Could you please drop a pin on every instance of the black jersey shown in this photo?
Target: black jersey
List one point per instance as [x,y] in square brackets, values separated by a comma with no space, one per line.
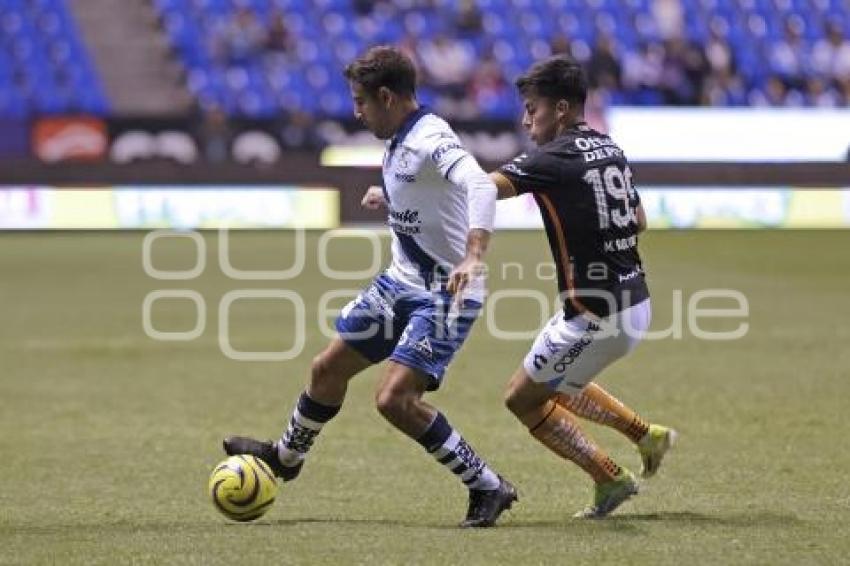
[583,186]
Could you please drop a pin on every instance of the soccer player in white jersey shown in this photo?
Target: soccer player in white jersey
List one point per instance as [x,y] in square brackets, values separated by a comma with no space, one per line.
[417,313]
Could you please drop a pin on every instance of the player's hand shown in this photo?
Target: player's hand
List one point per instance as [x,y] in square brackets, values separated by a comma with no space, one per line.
[374,198]
[460,277]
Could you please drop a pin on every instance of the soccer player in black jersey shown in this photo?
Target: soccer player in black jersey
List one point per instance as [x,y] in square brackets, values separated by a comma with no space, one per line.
[582,183]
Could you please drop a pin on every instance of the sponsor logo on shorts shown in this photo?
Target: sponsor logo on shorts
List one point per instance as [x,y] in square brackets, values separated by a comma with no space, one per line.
[423,346]
[540,361]
[576,349]
[550,345]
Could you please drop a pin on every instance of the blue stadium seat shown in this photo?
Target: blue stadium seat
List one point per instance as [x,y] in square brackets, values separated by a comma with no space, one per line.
[45,52]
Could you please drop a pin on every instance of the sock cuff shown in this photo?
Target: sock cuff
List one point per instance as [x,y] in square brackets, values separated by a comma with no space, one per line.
[436,434]
[316,411]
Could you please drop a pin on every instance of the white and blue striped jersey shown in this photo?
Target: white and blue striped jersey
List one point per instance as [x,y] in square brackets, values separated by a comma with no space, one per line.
[428,214]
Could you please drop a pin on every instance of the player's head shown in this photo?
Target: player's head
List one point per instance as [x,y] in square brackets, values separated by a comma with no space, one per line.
[383,88]
[554,91]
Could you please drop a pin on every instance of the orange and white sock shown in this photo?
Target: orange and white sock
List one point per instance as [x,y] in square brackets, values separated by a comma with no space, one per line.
[557,429]
[597,405]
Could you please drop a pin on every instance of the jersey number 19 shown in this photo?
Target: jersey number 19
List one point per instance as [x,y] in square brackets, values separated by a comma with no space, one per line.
[614,195]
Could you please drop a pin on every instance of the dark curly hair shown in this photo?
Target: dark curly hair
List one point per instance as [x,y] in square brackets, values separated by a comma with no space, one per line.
[559,77]
[383,66]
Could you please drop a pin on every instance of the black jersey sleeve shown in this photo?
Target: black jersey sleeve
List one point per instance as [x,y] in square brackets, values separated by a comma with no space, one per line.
[533,172]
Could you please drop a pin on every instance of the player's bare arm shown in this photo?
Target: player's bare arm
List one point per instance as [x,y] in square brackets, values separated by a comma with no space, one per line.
[481,195]
[504,186]
[472,265]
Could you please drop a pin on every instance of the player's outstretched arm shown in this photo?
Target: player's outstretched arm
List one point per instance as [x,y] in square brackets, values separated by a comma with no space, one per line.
[504,186]
[481,193]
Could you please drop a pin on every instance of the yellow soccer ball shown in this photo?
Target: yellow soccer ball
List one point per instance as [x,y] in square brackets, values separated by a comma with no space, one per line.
[243,488]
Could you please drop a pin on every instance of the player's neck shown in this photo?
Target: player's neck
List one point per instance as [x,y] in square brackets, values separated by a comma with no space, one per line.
[568,125]
[405,109]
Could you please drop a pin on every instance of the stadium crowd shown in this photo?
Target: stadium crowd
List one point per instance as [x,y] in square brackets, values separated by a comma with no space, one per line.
[739,62]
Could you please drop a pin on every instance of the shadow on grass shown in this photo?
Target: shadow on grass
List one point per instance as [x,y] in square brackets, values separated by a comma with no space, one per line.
[625,523]
[377,522]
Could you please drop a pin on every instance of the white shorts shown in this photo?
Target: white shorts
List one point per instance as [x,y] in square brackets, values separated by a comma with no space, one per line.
[568,354]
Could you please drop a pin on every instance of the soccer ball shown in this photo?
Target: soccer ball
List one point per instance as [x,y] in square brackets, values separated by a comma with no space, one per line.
[242,487]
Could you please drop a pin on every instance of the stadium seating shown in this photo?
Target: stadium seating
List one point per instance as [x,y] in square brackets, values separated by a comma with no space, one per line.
[44,65]
[329,33]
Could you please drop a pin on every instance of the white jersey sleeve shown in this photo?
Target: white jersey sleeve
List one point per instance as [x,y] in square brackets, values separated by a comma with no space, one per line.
[444,148]
[461,169]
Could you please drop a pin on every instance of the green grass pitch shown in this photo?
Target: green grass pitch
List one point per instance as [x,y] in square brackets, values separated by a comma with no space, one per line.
[108,436]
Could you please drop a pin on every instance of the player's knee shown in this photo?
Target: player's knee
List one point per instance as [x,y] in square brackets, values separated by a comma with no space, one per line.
[526,404]
[392,402]
[513,402]
[321,371]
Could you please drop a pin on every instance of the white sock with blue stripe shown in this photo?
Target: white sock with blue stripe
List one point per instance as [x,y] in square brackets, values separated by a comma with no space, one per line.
[450,449]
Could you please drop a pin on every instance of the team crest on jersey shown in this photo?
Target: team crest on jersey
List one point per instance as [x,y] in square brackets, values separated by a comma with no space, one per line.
[404,158]
[403,173]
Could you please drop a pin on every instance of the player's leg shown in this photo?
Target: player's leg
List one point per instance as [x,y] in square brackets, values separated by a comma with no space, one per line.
[598,405]
[399,400]
[436,330]
[565,356]
[556,428]
[366,336]
[319,403]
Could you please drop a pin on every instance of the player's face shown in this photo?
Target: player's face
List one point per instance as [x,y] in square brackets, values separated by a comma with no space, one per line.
[539,118]
[369,109]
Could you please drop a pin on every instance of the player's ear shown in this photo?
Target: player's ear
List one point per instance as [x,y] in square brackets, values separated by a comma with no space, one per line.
[385,97]
[562,108]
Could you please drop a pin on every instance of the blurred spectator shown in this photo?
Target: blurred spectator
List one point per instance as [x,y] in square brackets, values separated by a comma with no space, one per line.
[447,64]
[718,53]
[242,39]
[724,88]
[561,45]
[669,18]
[697,68]
[603,68]
[363,8]
[468,18]
[819,93]
[643,68]
[215,135]
[278,39]
[788,57]
[844,90]
[488,87]
[776,93]
[831,55]
[300,131]
[409,43]
[674,84]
